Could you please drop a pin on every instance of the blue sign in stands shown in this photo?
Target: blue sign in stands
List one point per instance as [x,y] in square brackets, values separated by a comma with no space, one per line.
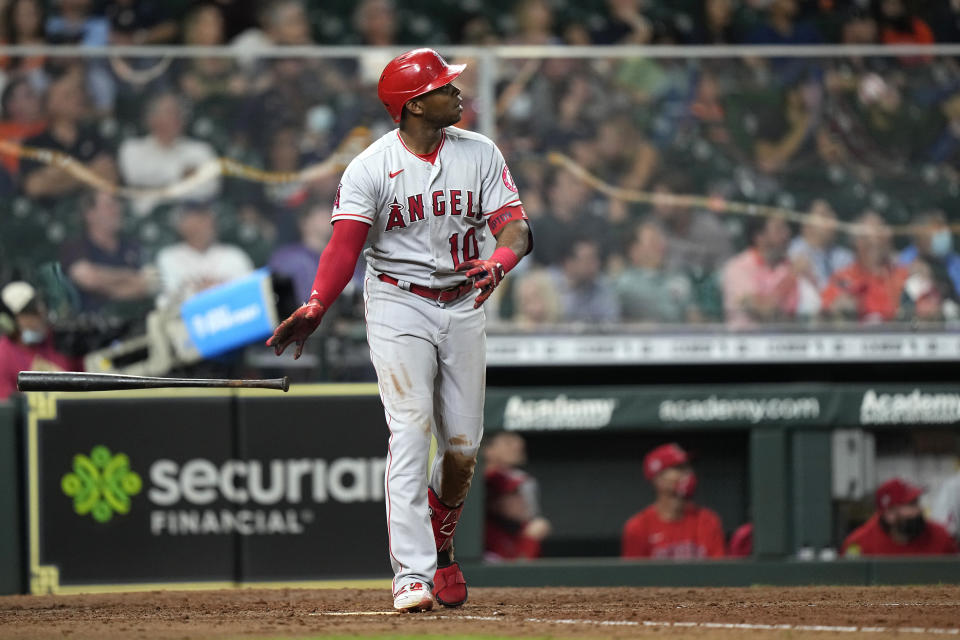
[231,315]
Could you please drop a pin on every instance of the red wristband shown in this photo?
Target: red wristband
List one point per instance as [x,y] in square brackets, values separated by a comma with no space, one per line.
[506,257]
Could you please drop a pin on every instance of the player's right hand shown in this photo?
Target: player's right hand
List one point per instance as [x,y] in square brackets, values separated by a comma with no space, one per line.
[298,327]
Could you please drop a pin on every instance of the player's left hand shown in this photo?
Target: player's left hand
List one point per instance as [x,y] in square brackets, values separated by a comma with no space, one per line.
[486,275]
[298,327]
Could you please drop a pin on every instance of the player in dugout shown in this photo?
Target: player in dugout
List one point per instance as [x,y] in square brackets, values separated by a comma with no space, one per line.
[898,526]
[673,527]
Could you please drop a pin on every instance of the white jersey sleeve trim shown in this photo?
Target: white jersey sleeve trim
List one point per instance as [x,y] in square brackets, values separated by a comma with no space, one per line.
[512,203]
[352,216]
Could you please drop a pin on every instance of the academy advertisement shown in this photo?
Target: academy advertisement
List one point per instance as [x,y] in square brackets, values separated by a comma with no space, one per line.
[207,489]
[786,406]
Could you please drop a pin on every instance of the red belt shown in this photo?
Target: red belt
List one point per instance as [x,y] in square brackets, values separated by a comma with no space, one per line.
[440,295]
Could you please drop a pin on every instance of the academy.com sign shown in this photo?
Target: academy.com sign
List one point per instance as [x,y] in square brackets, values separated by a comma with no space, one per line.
[752,410]
[909,408]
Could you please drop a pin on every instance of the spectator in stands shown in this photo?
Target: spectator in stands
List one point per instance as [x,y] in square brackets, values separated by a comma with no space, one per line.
[673,526]
[933,244]
[715,24]
[585,294]
[278,205]
[514,525]
[298,261]
[295,92]
[282,22]
[475,28]
[199,261]
[203,79]
[868,290]
[376,22]
[74,23]
[66,108]
[533,21]
[31,347]
[105,265]
[782,27]
[165,156]
[860,27]
[898,527]
[140,22]
[900,25]
[626,158]
[815,252]
[759,284]
[21,116]
[946,148]
[786,136]
[24,23]
[625,24]
[536,301]
[946,506]
[697,242]
[569,217]
[646,289]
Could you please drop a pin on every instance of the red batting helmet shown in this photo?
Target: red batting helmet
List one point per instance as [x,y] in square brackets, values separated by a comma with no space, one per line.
[413,74]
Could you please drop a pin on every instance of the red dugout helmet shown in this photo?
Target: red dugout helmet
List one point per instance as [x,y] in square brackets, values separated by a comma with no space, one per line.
[413,74]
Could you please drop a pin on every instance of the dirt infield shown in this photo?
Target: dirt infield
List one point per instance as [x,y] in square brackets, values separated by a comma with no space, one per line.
[752,613]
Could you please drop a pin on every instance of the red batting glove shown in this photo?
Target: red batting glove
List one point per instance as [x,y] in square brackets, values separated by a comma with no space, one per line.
[486,275]
[298,327]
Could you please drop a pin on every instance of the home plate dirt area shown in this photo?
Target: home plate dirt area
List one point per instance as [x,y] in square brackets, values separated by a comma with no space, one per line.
[751,613]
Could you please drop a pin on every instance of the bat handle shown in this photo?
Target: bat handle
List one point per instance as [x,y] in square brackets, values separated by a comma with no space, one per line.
[281,384]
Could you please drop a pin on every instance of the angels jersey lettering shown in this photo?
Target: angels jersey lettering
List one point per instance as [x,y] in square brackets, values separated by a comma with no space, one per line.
[426,218]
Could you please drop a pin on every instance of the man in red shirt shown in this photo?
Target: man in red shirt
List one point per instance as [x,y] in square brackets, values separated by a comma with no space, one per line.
[30,348]
[869,289]
[673,526]
[511,531]
[898,526]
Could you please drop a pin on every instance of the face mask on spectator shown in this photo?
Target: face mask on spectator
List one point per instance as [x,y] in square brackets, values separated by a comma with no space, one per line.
[911,527]
[941,243]
[31,336]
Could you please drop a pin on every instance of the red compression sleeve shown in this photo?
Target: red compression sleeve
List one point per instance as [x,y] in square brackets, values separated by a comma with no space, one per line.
[338,260]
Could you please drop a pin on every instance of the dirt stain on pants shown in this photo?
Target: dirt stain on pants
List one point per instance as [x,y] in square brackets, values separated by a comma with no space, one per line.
[457,475]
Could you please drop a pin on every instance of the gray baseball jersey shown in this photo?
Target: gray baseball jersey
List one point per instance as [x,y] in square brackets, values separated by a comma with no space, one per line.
[426,218]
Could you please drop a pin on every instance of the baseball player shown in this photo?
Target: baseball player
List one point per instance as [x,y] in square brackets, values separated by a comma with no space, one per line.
[673,526]
[423,197]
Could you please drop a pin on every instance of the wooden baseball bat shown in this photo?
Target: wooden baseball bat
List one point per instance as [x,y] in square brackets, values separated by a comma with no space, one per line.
[75,381]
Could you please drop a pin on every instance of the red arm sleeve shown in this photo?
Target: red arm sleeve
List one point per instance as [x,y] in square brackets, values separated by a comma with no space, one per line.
[338,260]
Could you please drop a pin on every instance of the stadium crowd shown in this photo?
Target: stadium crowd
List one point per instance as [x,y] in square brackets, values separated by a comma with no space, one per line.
[839,141]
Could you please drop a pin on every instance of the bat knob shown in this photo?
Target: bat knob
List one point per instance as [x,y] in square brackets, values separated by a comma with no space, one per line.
[285,384]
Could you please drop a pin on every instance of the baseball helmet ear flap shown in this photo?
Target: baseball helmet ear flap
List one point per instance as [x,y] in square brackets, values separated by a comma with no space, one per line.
[413,74]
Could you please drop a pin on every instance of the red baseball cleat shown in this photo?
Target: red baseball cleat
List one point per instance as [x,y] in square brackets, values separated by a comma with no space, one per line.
[449,586]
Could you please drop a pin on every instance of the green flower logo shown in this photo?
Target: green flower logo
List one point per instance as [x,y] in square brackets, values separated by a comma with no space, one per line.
[101,484]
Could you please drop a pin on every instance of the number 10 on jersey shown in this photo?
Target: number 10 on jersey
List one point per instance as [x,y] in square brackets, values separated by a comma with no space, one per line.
[470,251]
